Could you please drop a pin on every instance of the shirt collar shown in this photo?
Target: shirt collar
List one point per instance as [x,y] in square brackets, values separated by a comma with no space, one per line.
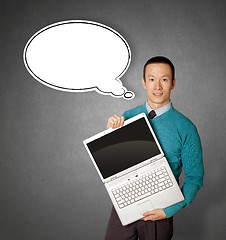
[159,111]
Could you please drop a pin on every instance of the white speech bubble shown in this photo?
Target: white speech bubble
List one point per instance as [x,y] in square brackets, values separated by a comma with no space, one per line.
[79,56]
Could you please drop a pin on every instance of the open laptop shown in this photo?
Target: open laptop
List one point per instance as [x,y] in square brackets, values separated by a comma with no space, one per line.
[132,166]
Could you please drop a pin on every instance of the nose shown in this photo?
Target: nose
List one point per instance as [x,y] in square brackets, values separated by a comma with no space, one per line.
[158,85]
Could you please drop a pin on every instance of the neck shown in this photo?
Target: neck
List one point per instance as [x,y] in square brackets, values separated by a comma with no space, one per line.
[155,106]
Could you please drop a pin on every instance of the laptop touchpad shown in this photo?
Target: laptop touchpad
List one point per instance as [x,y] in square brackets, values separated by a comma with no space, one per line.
[145,206]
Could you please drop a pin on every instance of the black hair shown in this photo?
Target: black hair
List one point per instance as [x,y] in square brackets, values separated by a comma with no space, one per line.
[160,59]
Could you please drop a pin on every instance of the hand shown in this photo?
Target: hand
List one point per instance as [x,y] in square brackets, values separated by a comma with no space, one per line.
[154,215]
[115,121]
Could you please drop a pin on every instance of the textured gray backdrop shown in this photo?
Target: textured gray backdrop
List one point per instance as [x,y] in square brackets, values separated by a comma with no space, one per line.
[49,189]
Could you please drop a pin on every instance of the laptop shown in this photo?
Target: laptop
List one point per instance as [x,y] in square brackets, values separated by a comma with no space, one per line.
[132,166]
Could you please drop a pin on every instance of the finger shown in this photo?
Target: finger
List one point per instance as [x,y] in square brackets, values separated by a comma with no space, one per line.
[117,121]
[151,215]
[110,123]
[150,218]
[122,121]
[151,212]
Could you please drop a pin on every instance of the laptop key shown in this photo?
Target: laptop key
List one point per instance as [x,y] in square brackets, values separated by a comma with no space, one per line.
[142,188]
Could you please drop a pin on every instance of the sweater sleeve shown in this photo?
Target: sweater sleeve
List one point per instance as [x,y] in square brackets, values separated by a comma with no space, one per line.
[133,112]
[191,157]
[125,115]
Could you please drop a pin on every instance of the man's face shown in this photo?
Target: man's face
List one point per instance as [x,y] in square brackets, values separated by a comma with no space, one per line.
[158,84]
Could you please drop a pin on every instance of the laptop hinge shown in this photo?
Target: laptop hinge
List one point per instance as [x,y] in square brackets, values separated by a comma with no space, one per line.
[115,177]
[156,159]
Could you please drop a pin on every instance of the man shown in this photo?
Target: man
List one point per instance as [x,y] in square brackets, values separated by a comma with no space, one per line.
[180,142]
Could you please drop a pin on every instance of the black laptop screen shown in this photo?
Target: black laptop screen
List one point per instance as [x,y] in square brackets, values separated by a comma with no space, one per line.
[123,148]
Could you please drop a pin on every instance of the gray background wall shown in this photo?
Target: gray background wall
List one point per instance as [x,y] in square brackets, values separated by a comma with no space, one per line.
[49,188]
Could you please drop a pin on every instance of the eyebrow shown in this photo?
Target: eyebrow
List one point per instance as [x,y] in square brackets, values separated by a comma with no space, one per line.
[161,76]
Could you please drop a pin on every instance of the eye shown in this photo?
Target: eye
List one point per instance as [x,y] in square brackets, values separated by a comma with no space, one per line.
[164,79]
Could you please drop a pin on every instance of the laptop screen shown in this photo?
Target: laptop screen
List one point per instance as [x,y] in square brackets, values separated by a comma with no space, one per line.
[123,148]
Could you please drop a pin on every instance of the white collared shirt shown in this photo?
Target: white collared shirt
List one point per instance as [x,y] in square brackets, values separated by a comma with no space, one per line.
[160,110]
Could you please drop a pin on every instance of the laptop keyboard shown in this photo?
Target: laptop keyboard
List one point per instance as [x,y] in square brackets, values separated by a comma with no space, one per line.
[144,186]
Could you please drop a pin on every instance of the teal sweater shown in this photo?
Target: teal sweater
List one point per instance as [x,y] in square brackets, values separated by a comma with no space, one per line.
[181,144]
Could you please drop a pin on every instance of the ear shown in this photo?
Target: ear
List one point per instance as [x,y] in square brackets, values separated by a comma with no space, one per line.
[144,83]
[174,83]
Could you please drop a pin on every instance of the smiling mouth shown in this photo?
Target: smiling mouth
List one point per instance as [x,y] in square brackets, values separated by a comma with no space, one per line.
[157,94]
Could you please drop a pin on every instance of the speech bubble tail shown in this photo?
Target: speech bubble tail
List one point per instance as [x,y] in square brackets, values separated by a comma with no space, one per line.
[128,95]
